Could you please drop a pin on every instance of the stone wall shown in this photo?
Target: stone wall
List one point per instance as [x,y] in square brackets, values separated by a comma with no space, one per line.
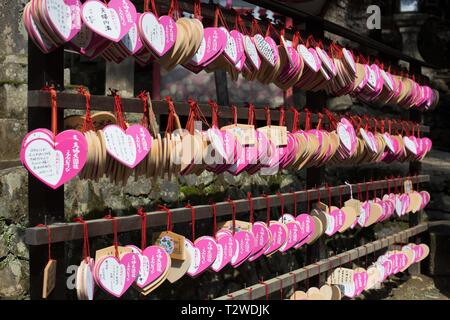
[14,270]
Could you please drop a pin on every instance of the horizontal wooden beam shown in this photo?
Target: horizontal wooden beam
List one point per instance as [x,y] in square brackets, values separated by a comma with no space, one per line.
[288,279]
[97,227]
[41,99]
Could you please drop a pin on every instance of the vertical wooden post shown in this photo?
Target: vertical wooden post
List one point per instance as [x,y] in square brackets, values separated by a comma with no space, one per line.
[220,77]
[223,99]
[44,203]
[415,168]
[315,101]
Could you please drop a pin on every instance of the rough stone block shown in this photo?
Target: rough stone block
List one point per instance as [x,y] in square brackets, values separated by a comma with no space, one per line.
[13,70]
[13,34]
[14,278]
[12,241]
[13,101]
[11,134]
[13,195]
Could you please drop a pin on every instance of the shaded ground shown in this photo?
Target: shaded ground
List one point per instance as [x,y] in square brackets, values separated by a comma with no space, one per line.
[407,287]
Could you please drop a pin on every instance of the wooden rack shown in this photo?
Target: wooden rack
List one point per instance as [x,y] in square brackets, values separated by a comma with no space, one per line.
[41,99]
[97,227]
[324,265]
[45,202]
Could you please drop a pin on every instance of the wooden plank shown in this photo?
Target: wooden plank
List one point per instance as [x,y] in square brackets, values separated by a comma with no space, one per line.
[73,231]
[286,280]
[44,203]
[39,99]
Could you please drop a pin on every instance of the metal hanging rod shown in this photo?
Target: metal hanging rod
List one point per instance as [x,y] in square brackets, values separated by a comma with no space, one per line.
[324,265]
[41,99]
[97,227]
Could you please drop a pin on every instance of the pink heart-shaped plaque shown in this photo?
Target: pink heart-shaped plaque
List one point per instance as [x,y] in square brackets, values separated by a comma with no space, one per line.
[129,146]
[418,253]
[112,21]
[154,262]
[244,247]
[294,232]
[425,198]
[251,52]
[39,37]
[239,40]
[360,280]
[63,16]
[262,239]
[338,219]
[159,35]
[267,48]
[213,44]
[279,236]
[132,42]
[115,275]
[226,247]
[54,162]
[203,253]
[230,52]
[403,261]
[401,204]
[306,228]
[364,214]
[395,261]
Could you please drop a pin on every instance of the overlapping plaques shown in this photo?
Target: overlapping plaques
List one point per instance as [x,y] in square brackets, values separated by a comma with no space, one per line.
[115,30]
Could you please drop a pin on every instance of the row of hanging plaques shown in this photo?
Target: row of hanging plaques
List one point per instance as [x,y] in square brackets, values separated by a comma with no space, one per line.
[115,30]
[105,144]
[117,268]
